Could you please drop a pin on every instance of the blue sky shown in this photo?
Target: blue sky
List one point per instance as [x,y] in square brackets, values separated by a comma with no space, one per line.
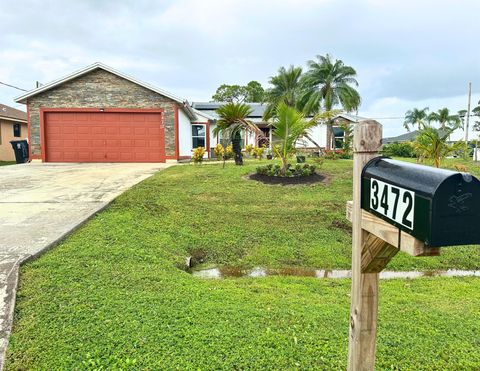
[407,53]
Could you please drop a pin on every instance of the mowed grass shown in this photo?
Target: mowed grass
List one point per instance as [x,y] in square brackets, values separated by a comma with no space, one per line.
[111,296]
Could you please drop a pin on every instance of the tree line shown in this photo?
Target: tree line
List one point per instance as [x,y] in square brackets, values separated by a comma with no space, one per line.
[420,118]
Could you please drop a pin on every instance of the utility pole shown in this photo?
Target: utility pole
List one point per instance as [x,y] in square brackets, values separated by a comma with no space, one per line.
[467,121]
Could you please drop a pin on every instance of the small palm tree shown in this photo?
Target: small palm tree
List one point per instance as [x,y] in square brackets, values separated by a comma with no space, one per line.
[286,88]
[232,122]
[432,143]
[445,119]
[289,126]
[416,117]
[329,83]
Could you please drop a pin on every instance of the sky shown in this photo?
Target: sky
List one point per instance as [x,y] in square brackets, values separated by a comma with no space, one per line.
[406,53]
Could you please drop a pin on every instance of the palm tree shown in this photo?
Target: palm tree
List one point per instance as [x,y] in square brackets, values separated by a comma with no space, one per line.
[445,119]
[432,143]
[286,88]
[416,117]
[232,121]
[289,126]
[332,83]
[476,110]
[461,114]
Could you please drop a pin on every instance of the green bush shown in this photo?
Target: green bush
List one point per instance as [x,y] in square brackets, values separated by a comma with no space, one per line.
[404,149]
[298,170]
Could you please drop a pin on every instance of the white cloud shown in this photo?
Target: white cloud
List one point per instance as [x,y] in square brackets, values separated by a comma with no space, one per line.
[407,53]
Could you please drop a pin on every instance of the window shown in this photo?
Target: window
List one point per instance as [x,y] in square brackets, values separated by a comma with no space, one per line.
[339,137]
[16,130]
[198,136]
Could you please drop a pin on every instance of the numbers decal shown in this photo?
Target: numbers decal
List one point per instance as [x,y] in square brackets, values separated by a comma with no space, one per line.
[393,202]
[396,192]
[384,201]
[374,194]
[407,197]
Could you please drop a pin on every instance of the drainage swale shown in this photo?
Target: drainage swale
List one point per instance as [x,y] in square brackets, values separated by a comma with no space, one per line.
[226,272]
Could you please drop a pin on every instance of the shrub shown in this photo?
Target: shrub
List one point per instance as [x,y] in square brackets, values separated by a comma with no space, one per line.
[249,149]
[198,154]
[258,152]
[331,155]
[229,152]
[299,170]
[219,151]
[404,149]
[318,161]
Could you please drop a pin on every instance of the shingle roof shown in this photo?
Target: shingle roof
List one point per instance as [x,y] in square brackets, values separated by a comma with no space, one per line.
[210,108]
[11,113]
[258,109]
[350,117]
[184,104]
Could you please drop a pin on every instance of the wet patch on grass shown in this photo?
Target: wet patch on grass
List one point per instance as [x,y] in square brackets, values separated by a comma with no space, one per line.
[236,272]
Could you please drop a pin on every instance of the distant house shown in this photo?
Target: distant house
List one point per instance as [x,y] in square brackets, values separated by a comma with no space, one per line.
[13,125]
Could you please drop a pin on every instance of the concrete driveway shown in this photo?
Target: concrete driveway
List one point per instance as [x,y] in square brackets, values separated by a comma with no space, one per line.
[42,203]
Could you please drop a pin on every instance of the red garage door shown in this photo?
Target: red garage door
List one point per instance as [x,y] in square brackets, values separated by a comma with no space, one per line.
[103,137]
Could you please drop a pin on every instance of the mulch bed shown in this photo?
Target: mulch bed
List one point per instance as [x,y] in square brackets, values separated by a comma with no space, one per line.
[300,180]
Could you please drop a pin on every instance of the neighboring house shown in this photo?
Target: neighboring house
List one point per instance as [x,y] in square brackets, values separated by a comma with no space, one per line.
[13,126]
[98,114]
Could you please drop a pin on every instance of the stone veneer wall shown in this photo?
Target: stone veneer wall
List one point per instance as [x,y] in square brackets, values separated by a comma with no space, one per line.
[97,89]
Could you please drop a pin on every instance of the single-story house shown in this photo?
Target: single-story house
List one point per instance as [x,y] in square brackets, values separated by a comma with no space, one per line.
[13,126]
[318,134]
[98,114]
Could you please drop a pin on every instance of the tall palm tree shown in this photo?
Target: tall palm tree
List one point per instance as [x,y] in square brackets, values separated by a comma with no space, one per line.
[445,119]
[286,88]
[329,83]
[476,110]
[415,117]
[232,122]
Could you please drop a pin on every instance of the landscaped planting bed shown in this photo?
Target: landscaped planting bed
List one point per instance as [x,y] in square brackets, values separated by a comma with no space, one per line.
[112,294]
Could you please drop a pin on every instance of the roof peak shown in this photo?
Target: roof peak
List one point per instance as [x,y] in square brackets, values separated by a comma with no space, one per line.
[12,113]
[90,68]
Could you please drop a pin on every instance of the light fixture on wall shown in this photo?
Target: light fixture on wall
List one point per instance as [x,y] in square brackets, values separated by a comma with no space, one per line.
[102,109]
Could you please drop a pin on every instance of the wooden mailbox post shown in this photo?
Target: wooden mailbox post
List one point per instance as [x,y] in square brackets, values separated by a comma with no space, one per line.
[418,209]
[374,243]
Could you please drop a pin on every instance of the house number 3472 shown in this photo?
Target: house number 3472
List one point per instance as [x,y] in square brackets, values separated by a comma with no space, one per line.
[394,202]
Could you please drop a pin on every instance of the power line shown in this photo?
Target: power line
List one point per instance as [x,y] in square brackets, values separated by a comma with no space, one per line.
[12,86]
[403,117]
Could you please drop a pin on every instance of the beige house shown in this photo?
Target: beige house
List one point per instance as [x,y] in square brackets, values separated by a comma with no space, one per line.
[13,126]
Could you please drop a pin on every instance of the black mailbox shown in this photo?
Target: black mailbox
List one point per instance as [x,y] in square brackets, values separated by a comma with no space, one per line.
[437,206]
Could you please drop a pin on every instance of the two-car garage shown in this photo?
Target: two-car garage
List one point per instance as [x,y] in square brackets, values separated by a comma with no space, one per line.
[98,114]
[108,136]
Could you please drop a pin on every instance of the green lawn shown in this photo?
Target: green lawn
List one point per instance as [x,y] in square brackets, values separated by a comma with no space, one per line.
[111,296]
